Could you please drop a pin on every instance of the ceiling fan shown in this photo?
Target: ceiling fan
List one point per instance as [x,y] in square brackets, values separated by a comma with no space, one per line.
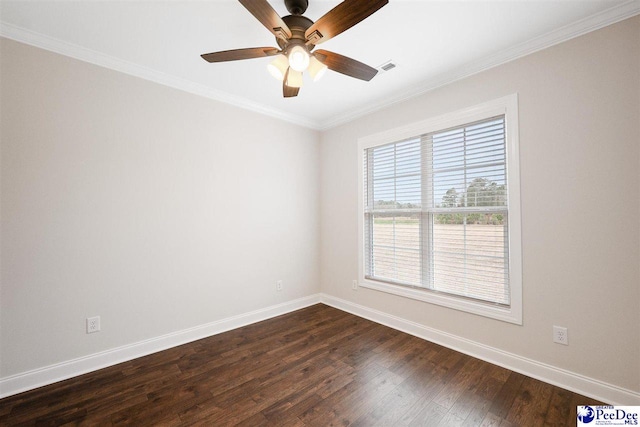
[297,36]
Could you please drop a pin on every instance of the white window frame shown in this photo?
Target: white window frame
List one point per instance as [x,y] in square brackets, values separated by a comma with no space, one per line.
[507,106]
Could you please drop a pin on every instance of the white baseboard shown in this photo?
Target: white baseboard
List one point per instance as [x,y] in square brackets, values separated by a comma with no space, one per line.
[569,380]
[577,383]
[61,371]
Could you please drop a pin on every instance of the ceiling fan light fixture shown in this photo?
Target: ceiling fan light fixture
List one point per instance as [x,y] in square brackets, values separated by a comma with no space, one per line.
[294,78]
[297,36]
[316,69]
[298,58]
[278,67]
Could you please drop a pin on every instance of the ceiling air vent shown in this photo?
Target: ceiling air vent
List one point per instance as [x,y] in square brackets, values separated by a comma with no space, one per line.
[387,66]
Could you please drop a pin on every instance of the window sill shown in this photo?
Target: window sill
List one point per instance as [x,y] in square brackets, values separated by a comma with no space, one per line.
[487,310]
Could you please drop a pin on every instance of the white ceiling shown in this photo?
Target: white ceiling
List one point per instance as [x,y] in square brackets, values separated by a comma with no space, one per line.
[432,43]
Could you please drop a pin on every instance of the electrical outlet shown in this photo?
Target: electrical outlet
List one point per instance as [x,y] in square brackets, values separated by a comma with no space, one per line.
[93,324]
[279,285]
[354,285]
[560,335]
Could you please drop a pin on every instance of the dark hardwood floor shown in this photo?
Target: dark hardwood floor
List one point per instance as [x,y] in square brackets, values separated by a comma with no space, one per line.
[314,367]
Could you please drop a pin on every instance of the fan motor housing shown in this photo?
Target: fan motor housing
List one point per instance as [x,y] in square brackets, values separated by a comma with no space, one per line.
[298,25]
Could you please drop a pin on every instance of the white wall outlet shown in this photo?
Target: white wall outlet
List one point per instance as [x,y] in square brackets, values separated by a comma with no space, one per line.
[93,324]
[560,335]
[279,285]
[354,285]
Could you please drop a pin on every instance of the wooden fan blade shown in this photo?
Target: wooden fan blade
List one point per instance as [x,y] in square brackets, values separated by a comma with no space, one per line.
[237,54]
[341,18]
[289,92]
[345,65]
[264,13]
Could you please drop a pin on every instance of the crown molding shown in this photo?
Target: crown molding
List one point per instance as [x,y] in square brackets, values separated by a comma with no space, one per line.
[51,44]
[594,22]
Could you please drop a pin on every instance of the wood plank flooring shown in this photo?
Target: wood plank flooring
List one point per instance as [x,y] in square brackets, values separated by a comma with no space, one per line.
[314,367]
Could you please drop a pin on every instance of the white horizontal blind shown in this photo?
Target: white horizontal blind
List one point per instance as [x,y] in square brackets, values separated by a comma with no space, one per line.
[393,181]
[436,212]
[468,212]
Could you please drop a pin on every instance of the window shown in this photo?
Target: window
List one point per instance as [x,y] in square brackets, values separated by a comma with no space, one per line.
[440,218]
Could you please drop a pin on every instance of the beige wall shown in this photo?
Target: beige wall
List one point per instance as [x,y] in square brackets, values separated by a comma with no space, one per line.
[579,107]
[152,208]
[159,210]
